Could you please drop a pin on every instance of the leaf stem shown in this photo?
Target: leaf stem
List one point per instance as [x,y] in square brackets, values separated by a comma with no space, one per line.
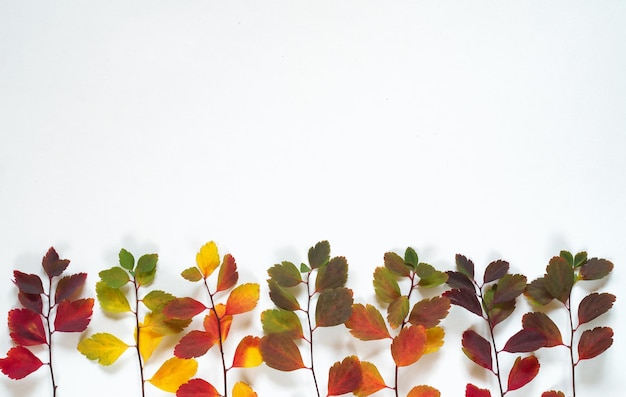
[49,330]
[571,344]
[311,329]
[137,339]
[219,339]
[493,341]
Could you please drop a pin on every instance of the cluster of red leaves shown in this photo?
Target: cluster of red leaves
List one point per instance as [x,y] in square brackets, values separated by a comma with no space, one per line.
[33,324]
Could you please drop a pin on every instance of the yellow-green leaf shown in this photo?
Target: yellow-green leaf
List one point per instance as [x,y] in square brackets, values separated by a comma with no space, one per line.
[434,339]
[208,258]
[111,300]
[173,373]
[104,347]
[385,285]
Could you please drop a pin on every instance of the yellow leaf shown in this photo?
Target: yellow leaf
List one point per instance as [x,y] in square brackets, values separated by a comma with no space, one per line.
[208,259]
[112,300]
[104,347]
[243,390]
[248,354]
[243,298]
[173,373]
[434,339]
[148,342]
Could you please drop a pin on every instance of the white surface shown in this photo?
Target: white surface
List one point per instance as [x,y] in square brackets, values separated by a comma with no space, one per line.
[493,129]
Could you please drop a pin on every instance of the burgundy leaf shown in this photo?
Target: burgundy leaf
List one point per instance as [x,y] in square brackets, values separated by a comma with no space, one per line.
[197,388]
[52,264]
[19,363]
[73,316]
[595,269]
[510,286]
[544,324]
[477,349]
[429,312]
[28,283]
[26,328]
[594,342]
[537,293]
[525,341]
[524,370]
[458,280]
[473,391]
[495,270]
[559,279]
[465,298]
[465,266]
[68,286]
[501,312]
[594,305]
[31,301]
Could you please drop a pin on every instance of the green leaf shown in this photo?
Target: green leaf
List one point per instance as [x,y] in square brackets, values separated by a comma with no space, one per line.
[192,274]
[580,259]
[319,255]
[156,299]
[595,269]
[304,268]
[127,261]
[332,275]
[385,285]
[397,311]
[559,279]
[281,297]
[114,277]
[396,264]
[280,321]
[146,269]
[111,300]
[286,274]
[334,307]
[569,258]
[410,257]
[429,276]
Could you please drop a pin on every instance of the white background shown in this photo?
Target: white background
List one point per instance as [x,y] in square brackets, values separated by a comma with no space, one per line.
[492,129]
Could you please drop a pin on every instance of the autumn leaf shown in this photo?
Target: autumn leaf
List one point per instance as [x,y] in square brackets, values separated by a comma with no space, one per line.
[385,285]
[280,321]
[332,275]
[26,328]
[183,308]
[559,279]
[473,391]
[104,347]
[396,264]
[595,269]
[397,311]
[524,370]
[68,286]
[334,307]
[197,388]
[319,255]
[430,312]
[429,276]
[73,316]
[553,393]
[31,301]
[280,352]
[241,389]
[211,324]
[434,339]
[146,269]
[243,298]
[465,298]
[148,342]
[208,258]
[366,323]
[477,349]
[594,305]
[371,381]
[247,353]
[495,271]
[285,274]
[156,299]
[19,363]
[281,297]
[345,376]
[465,266]
[126,259]
[544,324]
[509,287]
[192,274]
[111,300]
[228,276]
[594,342]
[458,280]
[410,257]
[114,277]
[28,283]
[52,264]
[423,391]
[195,344]
[173,373]
[537,293]
[525,341]
[409,345]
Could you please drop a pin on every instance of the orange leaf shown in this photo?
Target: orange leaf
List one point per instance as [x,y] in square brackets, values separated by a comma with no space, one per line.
[228,275]
[371,380]
[197,388]
[366,323]
[345,376]
[243,298]
[409,345]
[247,354]
[423,391]
[213,326]
[241,389]
[280,352]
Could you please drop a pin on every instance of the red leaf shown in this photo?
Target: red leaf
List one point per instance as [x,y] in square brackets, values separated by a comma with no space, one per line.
[423,391]
[68,286]
[542,323]
[366,323]
[195,344]
[280,352]
[228,275]
[31,301]
[495,270]
[26,327]
[19,363]
[465,298]
[73,316]
[525,341]
[52,264]
[28,283]
[409,345]
[429,312]
[477,349]
[595,269]
[473,391]
[594,305]
[197,388]
[183,308]
[553,393]
[524,370]
[345,376]
[594,342]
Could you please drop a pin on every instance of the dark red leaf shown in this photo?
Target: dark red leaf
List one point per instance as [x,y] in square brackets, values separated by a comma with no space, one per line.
[465,298]
[594,342]
[473,391]
[501,312]
[195,344]
[495,270]
[52,264]
[544,324]
[595,269]
[594,305]
[525,341]
[458,280]
[429,312]
[31,301]
[537,293]
[510,286]
[524,370]
[73,316]
[280,352]
[559,278]
[197,388]
[396,264]
[26,327]
[228,275]
[28,283]
[68,286]
[477,349]
[183,308]
[345,376]
[19,363]
[465,266]
[332,275]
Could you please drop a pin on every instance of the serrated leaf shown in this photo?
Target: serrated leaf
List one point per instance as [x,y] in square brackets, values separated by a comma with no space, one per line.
[423,391]
[218,322]
[559,279]
[111,300]
[26,328]
[280,321]
[430,312]
[397,311]
[458,280]
[477,349]
[281,297]
[466,299]
[73,316]
[319,254]
[52,264]
[434,339]
[183,308]
[465,266]
[280,352]
[371,381]
[345,376]
[553,393]
[247,353]
[473,391]
[594,305]
[243,298]
[31,301]
[241,389]
[192,274]
[149,341]
[580,259]
[28,283]
[524,370]
[537,293]
[410,257]
[495,270]
[396,264]
[509,287]
[157,322]
[68,286]
[544,324]
[332,275]
[429,276]
[366,323]
[197,388]
[127,260]
[501,312]
[594,342]
[156,299]
[525,341]
[334,307]
[208,258]
[104,347]
[228,276]
[569,258]
[173,373]
[385,285]
[146,269]
[304,268]
[409,345]
[114,277]
[195,344]
[285,274]
[19,363]
[595,269]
